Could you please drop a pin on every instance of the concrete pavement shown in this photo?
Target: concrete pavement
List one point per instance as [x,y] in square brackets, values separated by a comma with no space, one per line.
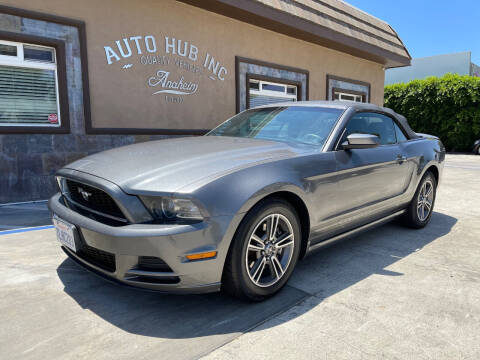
[389,293]
[392,293]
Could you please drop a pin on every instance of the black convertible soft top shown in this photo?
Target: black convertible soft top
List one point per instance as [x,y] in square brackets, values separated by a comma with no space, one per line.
[400,118]
[371,107]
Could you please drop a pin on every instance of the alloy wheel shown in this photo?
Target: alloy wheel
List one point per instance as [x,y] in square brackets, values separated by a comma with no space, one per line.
[269,250]
[425,200]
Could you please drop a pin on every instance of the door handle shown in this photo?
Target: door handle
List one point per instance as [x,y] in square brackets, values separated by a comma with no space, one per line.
[401,159]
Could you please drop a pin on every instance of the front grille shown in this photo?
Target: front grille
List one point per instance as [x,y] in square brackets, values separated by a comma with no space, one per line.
[151,263]
[93,198]
[104,260]
[155,280]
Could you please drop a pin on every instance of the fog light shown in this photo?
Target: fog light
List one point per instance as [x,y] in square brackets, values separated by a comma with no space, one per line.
[201,256]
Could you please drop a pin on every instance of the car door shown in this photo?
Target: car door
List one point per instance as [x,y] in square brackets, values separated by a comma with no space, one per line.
[369,178]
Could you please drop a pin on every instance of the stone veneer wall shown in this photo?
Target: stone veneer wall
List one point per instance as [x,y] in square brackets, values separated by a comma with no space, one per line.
[28,161]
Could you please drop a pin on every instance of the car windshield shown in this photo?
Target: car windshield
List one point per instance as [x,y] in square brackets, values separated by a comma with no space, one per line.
[298,124]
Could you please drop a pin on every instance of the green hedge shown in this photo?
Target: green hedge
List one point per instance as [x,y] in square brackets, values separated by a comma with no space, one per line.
[448,107]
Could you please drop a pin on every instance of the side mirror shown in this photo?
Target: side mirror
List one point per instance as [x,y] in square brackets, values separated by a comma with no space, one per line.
[361,141]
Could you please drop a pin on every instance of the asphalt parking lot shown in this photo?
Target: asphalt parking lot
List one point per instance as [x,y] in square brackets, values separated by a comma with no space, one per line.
[15,216]
[389,293]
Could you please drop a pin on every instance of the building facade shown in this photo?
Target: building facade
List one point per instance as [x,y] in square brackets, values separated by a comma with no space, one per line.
[438,65]
[77,77]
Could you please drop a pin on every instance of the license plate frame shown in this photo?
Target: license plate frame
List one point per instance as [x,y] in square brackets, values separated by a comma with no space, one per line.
[65,233]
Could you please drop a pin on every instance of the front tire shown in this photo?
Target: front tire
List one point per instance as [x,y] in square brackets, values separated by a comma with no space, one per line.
[420,209]
[264,251]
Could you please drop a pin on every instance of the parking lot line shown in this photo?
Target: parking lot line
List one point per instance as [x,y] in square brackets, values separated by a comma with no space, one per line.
[34,228]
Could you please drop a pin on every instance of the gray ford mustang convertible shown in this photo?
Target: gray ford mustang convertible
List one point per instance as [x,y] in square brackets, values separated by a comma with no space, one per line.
[236,209]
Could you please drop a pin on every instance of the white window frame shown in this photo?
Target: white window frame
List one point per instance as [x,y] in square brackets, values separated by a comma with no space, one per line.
[19,61]
[341,93]
[272,93]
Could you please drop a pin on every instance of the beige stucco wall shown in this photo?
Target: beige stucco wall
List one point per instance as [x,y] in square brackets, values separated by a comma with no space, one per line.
[121,97]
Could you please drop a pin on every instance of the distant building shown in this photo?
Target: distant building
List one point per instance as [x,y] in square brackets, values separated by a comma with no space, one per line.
[439,65]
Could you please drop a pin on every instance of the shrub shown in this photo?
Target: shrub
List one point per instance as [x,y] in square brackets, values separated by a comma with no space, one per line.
[448,107]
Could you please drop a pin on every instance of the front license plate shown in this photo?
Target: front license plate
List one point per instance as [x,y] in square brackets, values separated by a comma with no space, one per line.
[65,233]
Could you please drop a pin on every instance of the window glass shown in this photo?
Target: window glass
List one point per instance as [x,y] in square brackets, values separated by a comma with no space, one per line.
[344,95]
[27,96]
[259,100]
[306,125]
[371,123]
[8,50]
[255,85]
[37,53]
[273,87]
[265,93]
[292,90]
[28,89]
[399,133]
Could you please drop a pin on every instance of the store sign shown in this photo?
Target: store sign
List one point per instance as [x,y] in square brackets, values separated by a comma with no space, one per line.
[179,87]
[178,65]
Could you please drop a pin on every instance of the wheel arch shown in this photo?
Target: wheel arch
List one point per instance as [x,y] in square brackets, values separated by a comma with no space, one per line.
[434,170]
[291,197]
[476,149]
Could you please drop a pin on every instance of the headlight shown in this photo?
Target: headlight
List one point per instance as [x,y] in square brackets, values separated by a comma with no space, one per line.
[171,209]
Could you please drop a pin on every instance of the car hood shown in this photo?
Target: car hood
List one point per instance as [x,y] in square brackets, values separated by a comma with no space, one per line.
[165,166]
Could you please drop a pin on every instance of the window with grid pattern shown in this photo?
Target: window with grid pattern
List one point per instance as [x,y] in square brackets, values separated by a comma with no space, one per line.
[265,92]
[28,85]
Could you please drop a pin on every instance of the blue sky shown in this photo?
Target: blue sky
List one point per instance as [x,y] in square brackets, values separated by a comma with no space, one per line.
[431,27]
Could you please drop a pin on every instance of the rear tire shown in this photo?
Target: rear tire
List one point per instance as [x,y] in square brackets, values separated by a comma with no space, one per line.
[260,261]
[420,209]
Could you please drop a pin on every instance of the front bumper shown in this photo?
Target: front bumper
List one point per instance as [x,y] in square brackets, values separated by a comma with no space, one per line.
[126,244]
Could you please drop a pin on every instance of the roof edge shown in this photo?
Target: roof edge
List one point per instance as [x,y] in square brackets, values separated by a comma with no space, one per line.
[261,15]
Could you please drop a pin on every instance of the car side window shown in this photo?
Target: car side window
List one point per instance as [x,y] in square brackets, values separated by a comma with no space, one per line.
[399,133]
[371,123]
